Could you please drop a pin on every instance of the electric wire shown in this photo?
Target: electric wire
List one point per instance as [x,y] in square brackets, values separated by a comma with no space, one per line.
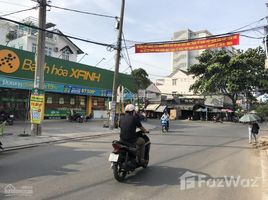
[19,11]
[14,4]
[59,33]
[206,37]
[128,58]
[83,12]
[251,37]
[249,24]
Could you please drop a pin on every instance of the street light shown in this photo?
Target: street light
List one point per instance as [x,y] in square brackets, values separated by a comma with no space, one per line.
[100,61]
[82,57]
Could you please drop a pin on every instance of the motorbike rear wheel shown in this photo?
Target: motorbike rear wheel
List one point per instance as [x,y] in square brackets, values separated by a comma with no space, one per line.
[164,129]
[119,175]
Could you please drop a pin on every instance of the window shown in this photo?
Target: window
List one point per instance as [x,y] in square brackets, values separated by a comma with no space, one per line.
[61,100]
[34,47]
[65,54]
[72,101]
[48,51]
[95,102]
[49,100]
[82,101]
[174,82]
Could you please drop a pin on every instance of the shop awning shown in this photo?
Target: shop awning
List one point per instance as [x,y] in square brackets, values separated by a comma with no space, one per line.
[215,110]
[152,107]
[161,109]
[201,110]
[186,107]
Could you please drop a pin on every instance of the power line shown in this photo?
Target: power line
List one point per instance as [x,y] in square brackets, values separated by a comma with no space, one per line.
[19,11]
[83,12]
[251,37]
[59,33]
[249,24]
[206,37]
[128,62]
[14,4]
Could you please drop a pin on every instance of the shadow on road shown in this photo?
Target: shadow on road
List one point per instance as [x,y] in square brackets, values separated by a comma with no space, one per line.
[164,175]
[41,161]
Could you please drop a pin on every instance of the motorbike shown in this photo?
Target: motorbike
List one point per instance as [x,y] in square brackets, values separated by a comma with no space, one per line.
[75,117]
[6,117]
[1,146]
[164,125]
[123,158]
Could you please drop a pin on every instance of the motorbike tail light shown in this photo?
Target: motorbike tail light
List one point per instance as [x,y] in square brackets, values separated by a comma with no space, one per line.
[116,147]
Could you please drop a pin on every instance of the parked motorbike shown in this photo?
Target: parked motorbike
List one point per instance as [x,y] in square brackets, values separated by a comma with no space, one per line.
[75,117]
[6,117]
[123,158]
[164,125]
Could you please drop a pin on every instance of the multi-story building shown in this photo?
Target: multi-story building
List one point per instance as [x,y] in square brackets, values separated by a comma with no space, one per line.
[178,82]
[184,59]
[68,85]
[25,38]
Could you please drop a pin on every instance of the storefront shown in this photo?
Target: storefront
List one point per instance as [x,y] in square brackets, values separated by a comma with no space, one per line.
[68,85]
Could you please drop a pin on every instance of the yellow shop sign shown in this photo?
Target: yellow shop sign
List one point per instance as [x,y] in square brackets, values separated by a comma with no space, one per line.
[60,71]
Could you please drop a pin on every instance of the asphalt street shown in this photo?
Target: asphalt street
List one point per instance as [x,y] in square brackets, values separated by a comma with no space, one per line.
[215,157]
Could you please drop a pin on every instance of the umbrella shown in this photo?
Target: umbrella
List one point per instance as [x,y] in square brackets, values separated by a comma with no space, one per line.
[249,118]
[253,112]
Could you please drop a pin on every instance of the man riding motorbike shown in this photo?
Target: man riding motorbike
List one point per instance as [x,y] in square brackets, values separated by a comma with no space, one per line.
[165,117]
[128,124]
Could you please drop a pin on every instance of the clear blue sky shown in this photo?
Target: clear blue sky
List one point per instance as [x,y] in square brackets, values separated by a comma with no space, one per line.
[146,20]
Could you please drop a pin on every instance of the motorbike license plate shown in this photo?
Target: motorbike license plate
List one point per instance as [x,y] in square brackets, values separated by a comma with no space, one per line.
[113,157]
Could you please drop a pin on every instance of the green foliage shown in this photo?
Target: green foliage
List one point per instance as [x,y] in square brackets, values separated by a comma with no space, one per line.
[230,73]
[141,78]
[11,35]
[262,110]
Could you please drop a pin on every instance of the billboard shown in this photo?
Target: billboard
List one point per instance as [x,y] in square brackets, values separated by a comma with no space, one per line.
[16,63]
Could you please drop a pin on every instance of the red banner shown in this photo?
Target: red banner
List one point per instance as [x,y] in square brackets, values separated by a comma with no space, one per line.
[217,42]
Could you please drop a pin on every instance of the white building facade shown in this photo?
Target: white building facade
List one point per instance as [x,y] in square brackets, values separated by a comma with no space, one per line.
[184,59]
[25,38]
[177,82]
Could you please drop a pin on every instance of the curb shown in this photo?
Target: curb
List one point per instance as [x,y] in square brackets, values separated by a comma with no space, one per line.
[24,146]
[264,172]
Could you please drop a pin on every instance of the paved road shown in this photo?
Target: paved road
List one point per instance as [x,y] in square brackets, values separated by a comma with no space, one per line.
[225,167]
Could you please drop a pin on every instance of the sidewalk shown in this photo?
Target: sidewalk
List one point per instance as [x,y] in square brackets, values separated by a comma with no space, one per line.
[263,147]
[53,131]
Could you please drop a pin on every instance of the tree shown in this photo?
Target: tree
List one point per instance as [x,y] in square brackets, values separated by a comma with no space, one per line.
[141,78]
[230,73]
[11,35]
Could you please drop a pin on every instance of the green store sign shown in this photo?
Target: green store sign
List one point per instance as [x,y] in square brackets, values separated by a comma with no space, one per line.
[20,64]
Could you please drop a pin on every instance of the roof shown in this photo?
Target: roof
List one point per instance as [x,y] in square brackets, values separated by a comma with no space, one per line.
[153,88]
[152,107]
[161,109]
[79,51]
[176,71]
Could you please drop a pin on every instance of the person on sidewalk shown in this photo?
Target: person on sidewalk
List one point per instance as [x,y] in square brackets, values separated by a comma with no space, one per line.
[254,130]
[128,124]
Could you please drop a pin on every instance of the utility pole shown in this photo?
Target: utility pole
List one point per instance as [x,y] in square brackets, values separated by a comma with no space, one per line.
[117,62]
[36,129]
[265,38]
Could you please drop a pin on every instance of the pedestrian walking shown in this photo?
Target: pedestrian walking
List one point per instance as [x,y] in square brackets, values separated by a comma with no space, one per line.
[253,131]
